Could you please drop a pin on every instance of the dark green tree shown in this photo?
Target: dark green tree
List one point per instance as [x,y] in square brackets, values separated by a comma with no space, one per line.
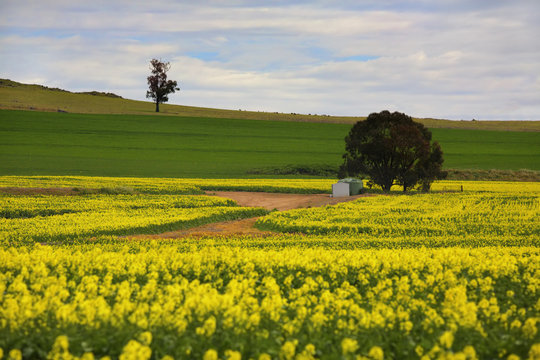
[432,168]
[159,86]
[392,149]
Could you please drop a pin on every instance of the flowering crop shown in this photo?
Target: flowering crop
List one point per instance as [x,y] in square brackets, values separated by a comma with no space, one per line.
[465,215]
[197,186]
[157,298]
[54,218]
[530,188]
[144,185]
[425,276]
[169,185]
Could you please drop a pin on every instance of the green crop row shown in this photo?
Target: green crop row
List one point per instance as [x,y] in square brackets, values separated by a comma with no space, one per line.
[41,143]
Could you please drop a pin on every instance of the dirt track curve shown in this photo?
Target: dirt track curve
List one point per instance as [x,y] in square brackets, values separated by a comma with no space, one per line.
[269,201]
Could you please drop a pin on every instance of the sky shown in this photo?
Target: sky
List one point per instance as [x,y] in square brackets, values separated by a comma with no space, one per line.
[451,59]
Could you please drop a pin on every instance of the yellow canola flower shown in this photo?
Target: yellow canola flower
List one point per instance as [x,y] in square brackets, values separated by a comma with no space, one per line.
[15,354]
[534,352]
[447,339]
[288,350]
[210,354]
[307,354]
[208,328]
[376,353]
[60,349]
[470,352]
[233,355]
[349,346]
[134,350]
[530,328]
[145,338]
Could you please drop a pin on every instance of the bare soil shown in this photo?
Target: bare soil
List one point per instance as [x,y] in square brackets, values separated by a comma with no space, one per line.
[269,201]
[243,227]
[278,201]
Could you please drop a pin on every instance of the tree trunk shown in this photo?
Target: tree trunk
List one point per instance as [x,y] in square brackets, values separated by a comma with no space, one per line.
[387,185]
[157,106]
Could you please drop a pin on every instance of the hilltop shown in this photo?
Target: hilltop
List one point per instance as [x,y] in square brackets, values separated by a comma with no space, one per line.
[18,96]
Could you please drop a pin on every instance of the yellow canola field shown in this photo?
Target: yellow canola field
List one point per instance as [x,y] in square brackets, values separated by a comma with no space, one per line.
[26,219]
[447,275]
[198,186]
[169,185]
[482,215]
[530,188]
[158,300]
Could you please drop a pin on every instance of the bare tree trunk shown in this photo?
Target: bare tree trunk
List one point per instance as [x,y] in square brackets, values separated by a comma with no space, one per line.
[387,185]
[157,106]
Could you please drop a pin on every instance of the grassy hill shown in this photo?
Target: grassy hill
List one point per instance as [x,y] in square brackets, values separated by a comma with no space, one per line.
[47,143]
[17,96]
[103,134]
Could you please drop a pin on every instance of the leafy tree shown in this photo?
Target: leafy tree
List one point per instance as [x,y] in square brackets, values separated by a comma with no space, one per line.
[391,148]
[159,86]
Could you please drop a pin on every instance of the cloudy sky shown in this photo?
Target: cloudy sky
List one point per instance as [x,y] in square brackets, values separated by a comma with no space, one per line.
[454,59]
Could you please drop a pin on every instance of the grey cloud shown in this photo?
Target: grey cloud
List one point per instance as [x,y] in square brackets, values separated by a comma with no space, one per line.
[453,59]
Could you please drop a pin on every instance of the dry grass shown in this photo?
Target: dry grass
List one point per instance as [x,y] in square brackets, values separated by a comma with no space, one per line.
[494,175]
[17,96]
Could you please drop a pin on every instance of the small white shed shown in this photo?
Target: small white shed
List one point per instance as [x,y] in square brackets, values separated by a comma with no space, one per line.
[340,189]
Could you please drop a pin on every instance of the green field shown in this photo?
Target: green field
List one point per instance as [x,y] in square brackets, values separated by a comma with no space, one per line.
[481,149]
[110,136]
[131,145]
[45,143]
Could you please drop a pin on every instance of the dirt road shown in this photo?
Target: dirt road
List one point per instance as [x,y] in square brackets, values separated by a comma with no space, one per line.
[270,201]
[281,202]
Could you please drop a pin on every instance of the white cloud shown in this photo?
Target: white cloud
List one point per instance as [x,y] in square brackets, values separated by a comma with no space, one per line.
[452,59]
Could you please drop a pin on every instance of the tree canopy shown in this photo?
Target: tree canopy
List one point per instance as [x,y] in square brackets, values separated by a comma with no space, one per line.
[392,149]
[159,86]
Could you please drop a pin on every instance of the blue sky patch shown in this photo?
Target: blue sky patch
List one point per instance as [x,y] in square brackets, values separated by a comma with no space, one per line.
[204,55]
[358,58]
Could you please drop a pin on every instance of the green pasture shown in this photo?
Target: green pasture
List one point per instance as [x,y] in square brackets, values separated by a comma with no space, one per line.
[162,146]
[482,149]
[46,143]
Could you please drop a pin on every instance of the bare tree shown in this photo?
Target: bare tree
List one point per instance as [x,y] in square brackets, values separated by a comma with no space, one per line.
[159,86]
